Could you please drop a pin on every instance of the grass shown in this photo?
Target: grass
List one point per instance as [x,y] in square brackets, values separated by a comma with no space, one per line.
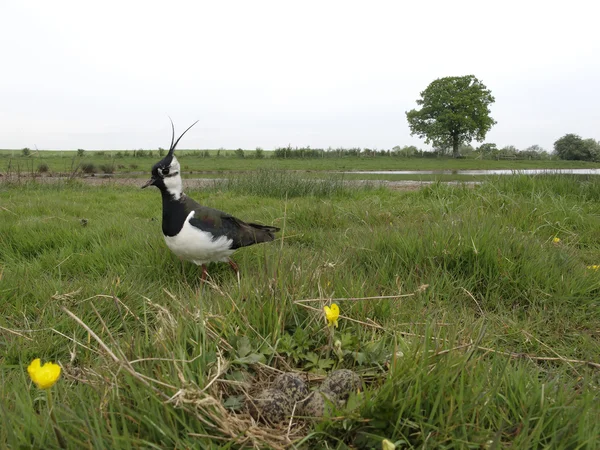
[485,344]
[191,161]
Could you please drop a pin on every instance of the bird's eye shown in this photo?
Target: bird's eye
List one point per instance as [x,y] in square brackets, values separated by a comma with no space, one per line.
[165,171]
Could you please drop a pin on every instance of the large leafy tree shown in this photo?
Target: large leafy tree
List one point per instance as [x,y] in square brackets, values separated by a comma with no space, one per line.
[455,110]
[572,146]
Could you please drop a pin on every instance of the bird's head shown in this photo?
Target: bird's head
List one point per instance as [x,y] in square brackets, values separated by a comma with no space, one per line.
[166,172]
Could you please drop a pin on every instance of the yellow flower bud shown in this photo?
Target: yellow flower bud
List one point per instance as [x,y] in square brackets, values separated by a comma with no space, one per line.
[332,313]
[387,445]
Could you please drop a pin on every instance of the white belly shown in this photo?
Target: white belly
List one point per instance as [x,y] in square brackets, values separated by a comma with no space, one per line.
[200,247]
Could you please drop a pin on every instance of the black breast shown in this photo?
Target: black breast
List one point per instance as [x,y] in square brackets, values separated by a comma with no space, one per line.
[174,215]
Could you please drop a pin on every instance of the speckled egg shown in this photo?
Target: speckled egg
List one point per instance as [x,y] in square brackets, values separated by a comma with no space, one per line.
[316,405]
[340,383]
[270,406]
[292,385]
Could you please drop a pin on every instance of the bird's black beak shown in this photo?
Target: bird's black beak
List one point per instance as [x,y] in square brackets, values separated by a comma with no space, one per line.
[150,182]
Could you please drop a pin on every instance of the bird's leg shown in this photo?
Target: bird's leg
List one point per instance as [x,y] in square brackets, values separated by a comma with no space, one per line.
[204,273]
[235,268]
[183,270]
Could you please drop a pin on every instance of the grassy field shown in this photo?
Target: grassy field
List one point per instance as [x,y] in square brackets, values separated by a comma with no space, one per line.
[492,339]
[193,162]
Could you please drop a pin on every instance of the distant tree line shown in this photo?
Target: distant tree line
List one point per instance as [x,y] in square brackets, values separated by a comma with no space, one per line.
[568,147]
[484,151]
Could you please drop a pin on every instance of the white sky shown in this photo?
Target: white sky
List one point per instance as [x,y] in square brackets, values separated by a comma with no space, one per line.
[106,74]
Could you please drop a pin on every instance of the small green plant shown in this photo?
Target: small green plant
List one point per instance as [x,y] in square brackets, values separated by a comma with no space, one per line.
[317,363]
[26,151]
[133,166]
[99,153]
[107,168]
[240,153]
[119,155]
[161,152]
[80,152]
[88,168]
[259,153]
[43,168]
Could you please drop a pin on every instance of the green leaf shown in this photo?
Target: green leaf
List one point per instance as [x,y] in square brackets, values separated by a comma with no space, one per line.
[312,358]
[359,357]
[236,376]
[253,358]
[325,364]
[234,402]
[243,346]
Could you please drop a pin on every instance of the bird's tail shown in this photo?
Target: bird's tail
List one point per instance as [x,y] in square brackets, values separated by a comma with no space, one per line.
[268,231]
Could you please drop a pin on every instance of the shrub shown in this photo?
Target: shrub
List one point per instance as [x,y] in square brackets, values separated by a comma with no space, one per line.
[26,151]
[239,153]
[43,168]
[307,152]
[107,168]
[260,153]
[133,166]
[80,152]
[88,168]
[119,154]
[99,153]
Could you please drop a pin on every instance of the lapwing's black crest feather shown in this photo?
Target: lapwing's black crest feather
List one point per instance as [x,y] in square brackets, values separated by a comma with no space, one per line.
[172,135]
[166,161]
[172,149]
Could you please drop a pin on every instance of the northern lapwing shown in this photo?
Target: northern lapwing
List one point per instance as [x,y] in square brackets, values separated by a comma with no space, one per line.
[195,232]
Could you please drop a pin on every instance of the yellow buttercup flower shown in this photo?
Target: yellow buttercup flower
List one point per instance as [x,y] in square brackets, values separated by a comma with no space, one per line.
[556,240]
[594,267]
[332,313]
[44,376]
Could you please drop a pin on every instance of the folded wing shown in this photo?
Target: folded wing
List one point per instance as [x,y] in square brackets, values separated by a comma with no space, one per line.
[219,223]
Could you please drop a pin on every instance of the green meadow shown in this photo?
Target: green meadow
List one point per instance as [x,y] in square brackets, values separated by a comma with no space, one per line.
[471,313]
[223,161]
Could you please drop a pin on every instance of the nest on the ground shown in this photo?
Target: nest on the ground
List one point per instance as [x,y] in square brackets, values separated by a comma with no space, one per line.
[237,423]
[243,423]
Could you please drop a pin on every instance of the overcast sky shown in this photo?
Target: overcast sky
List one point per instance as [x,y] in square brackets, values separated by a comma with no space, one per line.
[107,74]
